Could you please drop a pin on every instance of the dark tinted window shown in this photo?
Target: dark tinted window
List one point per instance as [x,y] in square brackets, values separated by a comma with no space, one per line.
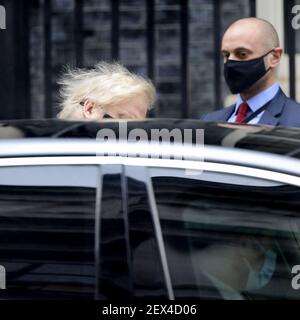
[229,241]
[114,279]
[148,279]
[129,259]
[47,231]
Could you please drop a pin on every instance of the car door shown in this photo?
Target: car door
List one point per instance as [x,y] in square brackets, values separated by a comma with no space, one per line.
[221,232]
[228,235]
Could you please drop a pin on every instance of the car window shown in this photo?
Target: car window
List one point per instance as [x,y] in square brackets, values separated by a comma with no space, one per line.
[229,240]
[47,223]
[148,278]
[114,278]
[129,260]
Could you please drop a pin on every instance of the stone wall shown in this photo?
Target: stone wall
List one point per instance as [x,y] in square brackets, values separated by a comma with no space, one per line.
[133,53]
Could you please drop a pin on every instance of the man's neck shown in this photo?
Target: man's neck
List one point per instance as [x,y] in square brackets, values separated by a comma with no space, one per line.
[252,92]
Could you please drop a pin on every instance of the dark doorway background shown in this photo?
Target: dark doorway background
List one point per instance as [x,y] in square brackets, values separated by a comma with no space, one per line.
[176,43]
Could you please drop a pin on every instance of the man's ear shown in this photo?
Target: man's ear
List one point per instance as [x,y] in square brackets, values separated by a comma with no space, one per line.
[275,57]
[88,109]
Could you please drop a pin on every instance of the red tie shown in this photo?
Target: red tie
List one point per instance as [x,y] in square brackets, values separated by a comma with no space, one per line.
[242,112]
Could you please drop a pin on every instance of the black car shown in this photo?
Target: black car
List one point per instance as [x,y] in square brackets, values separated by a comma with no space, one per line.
[87,212]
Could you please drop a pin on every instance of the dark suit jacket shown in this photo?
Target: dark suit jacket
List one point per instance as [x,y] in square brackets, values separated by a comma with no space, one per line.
[282,111]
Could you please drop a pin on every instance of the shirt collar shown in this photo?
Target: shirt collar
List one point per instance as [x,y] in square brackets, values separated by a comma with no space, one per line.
[260,99]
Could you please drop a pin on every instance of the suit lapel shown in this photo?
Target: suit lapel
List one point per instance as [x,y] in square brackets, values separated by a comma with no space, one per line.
[228,112]
[271,114]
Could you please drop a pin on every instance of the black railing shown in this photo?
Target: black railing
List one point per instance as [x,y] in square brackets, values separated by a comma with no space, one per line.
[47,58]
[14,39]
[150,44]
[78,32]
[14,62]
[252,5]
[290,44]
[184,45]
[115,29]
[217,49]
[150,25]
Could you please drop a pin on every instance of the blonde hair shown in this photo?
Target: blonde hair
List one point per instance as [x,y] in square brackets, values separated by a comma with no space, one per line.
[105,84]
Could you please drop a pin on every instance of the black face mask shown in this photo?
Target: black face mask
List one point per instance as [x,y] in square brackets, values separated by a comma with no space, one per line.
[241,75]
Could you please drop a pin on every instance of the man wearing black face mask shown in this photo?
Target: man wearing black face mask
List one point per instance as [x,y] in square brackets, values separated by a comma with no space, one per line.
[251,52]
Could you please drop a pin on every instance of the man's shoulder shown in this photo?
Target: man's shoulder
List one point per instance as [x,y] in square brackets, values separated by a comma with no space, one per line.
[292,104]
[219,115]
[291,111]
[291,107]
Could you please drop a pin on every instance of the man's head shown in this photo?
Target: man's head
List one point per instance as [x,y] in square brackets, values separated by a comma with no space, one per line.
[251,38]
[108,89]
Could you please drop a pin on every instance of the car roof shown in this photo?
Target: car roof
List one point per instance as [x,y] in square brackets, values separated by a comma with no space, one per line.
[277,140]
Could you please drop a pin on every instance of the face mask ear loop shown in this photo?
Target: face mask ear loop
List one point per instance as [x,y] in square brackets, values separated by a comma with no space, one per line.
[265,56]
[268,52]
